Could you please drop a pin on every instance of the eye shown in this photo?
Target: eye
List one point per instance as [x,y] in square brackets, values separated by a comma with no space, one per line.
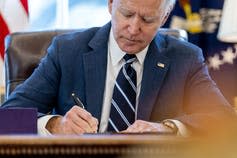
[127,15]
[149,20]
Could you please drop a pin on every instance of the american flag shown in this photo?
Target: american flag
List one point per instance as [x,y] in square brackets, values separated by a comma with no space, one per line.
[201,19]
[13,17]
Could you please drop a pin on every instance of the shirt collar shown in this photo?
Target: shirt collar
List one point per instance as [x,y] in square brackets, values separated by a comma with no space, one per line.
[118,54]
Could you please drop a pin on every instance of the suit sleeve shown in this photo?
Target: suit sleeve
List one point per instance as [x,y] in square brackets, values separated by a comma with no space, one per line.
[206,109]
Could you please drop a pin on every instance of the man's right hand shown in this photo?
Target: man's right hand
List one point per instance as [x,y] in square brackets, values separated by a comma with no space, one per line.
[76,121]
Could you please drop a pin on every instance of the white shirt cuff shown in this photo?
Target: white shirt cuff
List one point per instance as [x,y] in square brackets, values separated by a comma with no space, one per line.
[41,125]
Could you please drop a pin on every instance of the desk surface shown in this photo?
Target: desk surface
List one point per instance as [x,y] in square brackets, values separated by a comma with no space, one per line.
[102,146]
[96,139]
[98,145]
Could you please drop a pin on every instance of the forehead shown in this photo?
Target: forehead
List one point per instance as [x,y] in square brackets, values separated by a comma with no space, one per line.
[142,6]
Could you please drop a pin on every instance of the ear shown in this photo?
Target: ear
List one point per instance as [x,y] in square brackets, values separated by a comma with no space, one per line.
[110,2]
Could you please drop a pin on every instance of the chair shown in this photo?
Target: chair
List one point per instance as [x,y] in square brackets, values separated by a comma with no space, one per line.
[23,51]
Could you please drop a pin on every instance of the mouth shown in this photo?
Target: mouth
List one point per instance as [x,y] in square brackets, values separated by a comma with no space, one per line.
[131,41]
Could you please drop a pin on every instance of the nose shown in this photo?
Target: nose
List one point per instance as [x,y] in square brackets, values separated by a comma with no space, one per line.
[134,26]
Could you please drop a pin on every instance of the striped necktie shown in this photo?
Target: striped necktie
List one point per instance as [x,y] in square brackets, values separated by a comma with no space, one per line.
[123,105]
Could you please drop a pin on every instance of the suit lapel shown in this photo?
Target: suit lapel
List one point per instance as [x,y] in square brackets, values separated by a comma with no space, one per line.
[155,69]
[95,64]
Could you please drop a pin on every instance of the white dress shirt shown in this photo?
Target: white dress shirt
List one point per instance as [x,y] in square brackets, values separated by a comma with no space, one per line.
[114,63]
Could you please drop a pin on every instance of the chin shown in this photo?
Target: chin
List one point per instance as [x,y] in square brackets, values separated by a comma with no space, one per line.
[130,51]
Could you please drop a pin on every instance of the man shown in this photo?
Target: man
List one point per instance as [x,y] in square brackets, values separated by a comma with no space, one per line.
[173,91]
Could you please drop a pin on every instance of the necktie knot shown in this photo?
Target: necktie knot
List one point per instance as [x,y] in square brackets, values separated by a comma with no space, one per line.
[129,58]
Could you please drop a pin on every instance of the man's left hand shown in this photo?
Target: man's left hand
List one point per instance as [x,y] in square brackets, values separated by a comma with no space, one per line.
[140,126]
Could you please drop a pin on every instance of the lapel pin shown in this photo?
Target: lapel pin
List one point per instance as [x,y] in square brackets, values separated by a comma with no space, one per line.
[161,65]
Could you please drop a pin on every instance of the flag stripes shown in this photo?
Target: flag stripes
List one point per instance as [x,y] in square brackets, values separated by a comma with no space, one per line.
[13,17]
[4,31]
[25,5]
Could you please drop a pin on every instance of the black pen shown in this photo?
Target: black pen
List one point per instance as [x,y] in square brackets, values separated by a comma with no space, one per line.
[77,101]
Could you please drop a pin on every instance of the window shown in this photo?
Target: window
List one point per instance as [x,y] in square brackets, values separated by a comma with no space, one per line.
[56,14]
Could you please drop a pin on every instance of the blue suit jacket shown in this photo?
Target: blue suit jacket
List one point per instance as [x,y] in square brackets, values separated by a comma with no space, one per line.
[77,62]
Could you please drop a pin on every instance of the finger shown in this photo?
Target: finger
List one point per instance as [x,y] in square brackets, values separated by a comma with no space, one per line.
[77,130]
[87,117]
[136,127]
[94,124]
[128,130]
[79,122]
[75,117]
[67,127]
[131,129]
[90,120]
[147,127]
[141,126]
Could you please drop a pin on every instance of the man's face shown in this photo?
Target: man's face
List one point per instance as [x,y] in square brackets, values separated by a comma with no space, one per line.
[135,22]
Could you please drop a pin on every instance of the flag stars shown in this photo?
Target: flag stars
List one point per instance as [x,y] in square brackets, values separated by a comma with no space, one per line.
[228,55]
[215,62]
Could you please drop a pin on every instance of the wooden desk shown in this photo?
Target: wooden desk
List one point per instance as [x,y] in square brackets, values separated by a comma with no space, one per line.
[93,146]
